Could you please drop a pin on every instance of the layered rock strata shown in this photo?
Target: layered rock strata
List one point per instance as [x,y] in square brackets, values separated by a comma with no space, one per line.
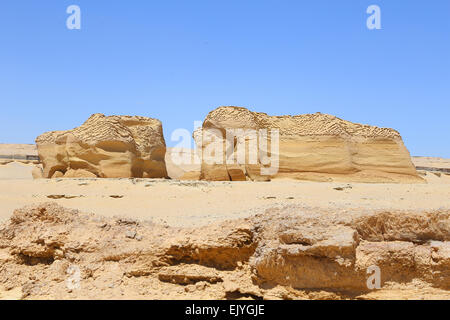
[237,144]
[105,147]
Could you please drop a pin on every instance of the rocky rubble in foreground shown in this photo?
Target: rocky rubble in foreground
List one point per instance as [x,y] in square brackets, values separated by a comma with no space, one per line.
[47,251]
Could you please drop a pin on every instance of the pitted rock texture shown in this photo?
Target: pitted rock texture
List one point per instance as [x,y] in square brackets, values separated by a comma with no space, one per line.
[48,252]
[317,147]
[105,147]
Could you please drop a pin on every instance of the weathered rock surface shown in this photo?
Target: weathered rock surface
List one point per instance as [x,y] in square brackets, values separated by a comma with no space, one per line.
[190,175]
[308,249]
[316,147]
[105,147]
[47,251]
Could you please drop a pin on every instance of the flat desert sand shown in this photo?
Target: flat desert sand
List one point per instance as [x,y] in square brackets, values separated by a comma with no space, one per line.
[196,203]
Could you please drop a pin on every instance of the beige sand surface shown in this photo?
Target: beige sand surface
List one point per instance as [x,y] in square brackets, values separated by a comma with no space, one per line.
[193,203]
[197,203]
[16,171]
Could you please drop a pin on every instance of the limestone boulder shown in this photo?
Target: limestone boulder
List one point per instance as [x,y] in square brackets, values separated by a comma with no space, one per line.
[235,143]
[105,147]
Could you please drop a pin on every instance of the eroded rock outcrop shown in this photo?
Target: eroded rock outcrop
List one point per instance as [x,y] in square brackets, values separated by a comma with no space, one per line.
[316,147]
[336,250]
[284,253]
[105,147]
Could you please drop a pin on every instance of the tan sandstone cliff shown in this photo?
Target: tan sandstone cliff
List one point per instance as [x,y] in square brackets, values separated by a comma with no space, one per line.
[317,147]
[105,147]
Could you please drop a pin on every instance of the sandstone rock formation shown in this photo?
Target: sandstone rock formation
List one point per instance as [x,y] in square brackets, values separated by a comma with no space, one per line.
[105,147]
[317,147]
[283,253]
[191,175]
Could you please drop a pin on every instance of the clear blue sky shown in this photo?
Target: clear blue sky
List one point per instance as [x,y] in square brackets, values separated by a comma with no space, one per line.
[177,60]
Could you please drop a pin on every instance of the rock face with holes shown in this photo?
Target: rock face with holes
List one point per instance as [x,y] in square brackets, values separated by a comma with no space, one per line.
[316,147]
[283,253]
[105,147]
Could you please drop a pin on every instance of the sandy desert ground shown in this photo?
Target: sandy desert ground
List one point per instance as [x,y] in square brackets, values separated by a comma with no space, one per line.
[196,203]
[179,229]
